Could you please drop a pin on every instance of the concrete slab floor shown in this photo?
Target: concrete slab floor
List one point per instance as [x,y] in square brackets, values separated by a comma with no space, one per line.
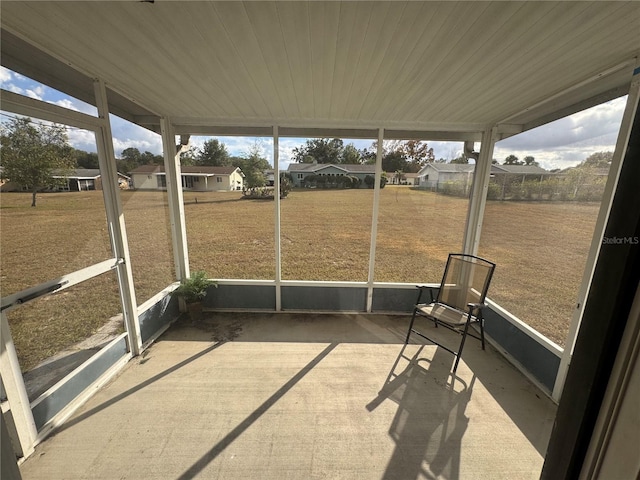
[302,396]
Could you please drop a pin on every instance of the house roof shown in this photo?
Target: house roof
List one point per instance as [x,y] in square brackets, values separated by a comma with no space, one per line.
[495,169]
[520,169]
[159,169]
[78,173]
[317,167]
[82,174]
[340,69]
[449,167]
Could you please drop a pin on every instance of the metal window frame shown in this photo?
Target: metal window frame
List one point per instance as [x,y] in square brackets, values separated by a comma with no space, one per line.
[12,379]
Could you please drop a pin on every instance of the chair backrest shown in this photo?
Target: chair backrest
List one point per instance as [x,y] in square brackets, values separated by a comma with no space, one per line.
[466,280]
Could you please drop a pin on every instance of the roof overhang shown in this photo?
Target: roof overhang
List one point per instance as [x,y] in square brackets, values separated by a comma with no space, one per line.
[420,70]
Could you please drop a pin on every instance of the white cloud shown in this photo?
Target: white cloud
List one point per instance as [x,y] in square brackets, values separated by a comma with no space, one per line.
[5,75]
[570,140]
[66,103]
[36,92]
[82,139]
[13,88]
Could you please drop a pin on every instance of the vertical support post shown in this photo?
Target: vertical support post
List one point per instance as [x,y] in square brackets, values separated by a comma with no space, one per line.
[374,220]
[601,222]
[176,204]
[115,219]
[15,390]
[276,184]
[479,191]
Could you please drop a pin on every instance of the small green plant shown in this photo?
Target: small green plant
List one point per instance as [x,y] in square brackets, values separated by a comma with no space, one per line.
[194,288]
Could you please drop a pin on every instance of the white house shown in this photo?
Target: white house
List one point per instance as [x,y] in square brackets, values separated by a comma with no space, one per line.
[433,175]
[200,179]
[409,179]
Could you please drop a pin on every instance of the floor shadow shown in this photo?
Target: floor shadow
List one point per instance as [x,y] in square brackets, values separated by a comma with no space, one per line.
[533,418]
[83,416]
[219,447]
[430,420]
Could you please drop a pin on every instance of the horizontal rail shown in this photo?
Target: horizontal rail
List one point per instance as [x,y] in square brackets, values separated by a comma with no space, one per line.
[31,107]
[14,300]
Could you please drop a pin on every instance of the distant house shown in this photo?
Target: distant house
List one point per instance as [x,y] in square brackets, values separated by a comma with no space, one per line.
[200,179]
[86,179]
[74,181]
[300,171]
[269,177]
[410,179]
[434,175]
[520,172]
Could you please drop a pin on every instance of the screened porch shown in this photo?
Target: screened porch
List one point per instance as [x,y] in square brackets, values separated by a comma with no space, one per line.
[299,368]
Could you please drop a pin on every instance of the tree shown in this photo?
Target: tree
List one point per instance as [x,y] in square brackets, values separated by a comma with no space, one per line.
[417,153]
[86,159]
[512,160]
[529,160]
[320,150]
[189,157]
[31,154]
[253,165]
[461,159]
[598,160]
[214,154]
[408,155]
[368,156]
[253,168]
[350,155]
[394,160]
[131,158]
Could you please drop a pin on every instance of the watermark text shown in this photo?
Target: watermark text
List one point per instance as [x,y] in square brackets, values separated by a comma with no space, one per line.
[621,241]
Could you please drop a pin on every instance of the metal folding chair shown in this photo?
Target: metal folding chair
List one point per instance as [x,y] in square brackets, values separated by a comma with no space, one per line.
[460,300]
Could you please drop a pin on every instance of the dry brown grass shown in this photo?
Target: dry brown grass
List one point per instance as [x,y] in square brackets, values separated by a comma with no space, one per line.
[540,249]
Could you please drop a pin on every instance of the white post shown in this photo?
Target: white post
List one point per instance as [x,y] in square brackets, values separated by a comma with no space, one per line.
[276,196]
[15,390]
[601,223]
[173,176]
[479,191]
[374,220]
[115,219]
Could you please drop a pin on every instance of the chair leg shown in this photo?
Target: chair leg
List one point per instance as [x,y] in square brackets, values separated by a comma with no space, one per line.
[464,338]
[413,318]
[481,328]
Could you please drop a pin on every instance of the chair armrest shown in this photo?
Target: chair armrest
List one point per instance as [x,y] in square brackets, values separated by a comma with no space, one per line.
[475,306]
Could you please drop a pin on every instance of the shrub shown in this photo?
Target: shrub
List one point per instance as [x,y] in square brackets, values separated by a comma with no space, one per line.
[494,191]
[369,181]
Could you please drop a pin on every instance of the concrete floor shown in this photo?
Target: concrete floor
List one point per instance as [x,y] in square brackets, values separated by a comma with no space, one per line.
[293,396]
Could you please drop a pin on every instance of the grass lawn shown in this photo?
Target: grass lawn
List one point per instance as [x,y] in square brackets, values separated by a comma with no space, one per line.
[540,249]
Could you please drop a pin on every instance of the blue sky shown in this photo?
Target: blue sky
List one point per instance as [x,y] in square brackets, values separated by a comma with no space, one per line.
[560,144]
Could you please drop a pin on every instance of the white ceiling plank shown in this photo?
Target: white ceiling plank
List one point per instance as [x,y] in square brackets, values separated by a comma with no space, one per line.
[408,64]
[294,21]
